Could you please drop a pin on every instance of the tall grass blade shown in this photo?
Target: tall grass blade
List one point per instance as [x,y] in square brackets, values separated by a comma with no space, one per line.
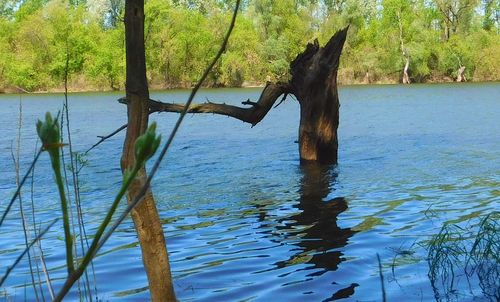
[16,160]
[18,259]
[37,258]
[381,275]
[18,190]
[74,174]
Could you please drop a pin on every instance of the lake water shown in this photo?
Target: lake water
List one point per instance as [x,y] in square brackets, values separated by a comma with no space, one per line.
[245,222]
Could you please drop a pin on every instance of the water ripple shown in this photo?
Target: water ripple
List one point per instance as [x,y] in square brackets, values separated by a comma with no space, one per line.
[243,220]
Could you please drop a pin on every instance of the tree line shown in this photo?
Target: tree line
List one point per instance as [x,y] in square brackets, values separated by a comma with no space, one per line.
[389,41]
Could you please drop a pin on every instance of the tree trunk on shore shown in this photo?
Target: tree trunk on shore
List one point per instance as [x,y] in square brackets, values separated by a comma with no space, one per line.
[461,74]
[313,82]
[145,216]
[406,77]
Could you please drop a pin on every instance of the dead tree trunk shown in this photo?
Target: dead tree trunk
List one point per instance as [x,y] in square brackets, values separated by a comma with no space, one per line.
[405,79]
[460,71]
[461,74]
[314,83]
[145,216]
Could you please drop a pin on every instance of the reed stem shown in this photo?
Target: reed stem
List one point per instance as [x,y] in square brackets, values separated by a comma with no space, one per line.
[56,167]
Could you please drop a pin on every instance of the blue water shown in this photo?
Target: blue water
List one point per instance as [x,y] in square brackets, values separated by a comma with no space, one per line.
[245,222]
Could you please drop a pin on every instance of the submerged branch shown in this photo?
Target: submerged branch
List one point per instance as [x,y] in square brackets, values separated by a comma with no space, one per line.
[252,115]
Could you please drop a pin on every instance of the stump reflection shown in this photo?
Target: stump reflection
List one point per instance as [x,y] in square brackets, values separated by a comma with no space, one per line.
[315,227]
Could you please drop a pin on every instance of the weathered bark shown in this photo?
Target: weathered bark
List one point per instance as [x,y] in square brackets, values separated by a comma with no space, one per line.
[145,216]
[314,83]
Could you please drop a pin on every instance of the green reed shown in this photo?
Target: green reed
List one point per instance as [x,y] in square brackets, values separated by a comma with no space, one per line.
[49,132]
[50,136]
[471,252]
[145,147]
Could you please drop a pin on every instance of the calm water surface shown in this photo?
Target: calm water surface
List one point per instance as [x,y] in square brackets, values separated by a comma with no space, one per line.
[244,222]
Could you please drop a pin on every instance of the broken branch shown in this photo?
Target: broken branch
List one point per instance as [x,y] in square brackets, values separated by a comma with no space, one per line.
[252,115]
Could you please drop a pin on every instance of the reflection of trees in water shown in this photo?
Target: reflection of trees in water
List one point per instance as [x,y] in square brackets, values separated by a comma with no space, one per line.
[314,229]
[470,254]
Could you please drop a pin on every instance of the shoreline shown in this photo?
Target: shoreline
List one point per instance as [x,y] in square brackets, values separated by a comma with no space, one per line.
[155,88]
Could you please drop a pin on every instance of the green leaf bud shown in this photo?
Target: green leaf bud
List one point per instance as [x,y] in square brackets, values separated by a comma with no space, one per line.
[146,145]
[48,132]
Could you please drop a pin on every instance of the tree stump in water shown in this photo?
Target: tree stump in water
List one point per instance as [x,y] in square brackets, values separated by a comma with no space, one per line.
[313,82]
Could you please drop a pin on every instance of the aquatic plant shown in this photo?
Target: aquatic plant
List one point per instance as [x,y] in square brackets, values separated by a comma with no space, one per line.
[470,254]
[484,256]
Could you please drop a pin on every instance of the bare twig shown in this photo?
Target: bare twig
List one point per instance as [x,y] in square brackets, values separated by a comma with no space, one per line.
[45,271]
[18,190]
[26,233]
[282,99]
[103,138]
[81,223]
[22,89]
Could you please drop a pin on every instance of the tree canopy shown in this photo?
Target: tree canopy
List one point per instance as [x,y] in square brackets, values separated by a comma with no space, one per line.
[437,36]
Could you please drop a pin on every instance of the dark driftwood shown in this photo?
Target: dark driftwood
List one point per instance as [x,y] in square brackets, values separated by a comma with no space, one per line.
[252,115]
[313,82]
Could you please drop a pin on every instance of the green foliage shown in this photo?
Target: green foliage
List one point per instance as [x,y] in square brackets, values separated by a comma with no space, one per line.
[242,60]
[28,8]
[104,62]
[40,37]
[487,58]
[71,38]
